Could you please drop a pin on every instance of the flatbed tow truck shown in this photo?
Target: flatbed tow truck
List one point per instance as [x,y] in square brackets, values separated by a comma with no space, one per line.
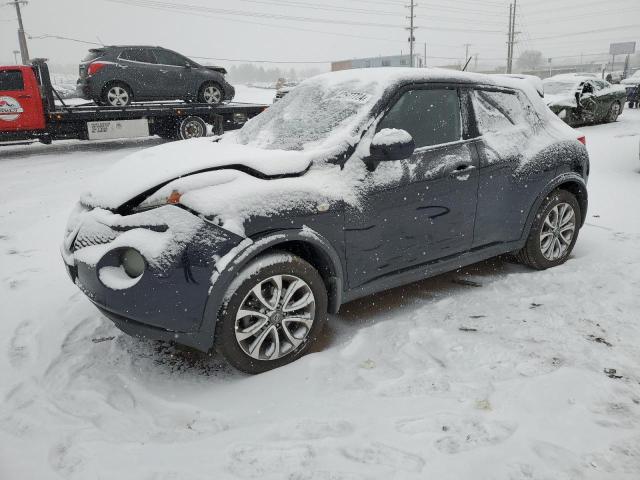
[29,112]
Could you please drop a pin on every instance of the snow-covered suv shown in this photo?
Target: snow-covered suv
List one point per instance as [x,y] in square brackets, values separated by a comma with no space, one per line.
[353,183]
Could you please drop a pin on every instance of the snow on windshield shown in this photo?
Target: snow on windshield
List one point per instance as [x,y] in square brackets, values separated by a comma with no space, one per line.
[309,115]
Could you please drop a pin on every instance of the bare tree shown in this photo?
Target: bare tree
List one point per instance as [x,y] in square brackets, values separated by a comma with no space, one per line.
[530,59]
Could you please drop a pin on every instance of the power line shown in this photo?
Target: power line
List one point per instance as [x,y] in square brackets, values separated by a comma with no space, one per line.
[154,4]
[588,32]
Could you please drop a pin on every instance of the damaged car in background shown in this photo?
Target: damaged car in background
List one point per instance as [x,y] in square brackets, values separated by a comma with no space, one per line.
[353,183]
[581,100]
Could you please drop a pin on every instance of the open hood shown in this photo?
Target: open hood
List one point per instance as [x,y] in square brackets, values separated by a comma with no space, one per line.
[143,172]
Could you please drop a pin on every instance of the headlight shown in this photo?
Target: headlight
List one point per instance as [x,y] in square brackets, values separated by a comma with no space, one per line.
[132,262]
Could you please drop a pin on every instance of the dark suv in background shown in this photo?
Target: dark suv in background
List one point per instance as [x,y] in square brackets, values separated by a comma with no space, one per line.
[118,75]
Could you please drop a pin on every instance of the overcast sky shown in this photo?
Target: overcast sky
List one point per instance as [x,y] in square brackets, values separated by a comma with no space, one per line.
[321,30]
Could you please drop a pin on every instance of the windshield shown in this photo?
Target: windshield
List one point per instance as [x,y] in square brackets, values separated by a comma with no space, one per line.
[556,88]
[310,114]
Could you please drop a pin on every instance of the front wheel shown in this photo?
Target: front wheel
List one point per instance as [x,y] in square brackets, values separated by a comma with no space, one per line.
[554,232]
[211,93]
[273,313]
[614,112]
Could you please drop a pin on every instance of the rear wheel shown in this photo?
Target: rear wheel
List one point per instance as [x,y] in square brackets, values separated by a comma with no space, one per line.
[273,313]
[117,95]
[191,127]
[614,112]
[554,232]
[210,93]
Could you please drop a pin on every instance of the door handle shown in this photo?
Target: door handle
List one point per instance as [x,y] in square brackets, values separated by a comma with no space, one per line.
[463,168]
[25,96]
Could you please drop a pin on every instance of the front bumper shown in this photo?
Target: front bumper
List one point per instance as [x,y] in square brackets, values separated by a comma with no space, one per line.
[168,300]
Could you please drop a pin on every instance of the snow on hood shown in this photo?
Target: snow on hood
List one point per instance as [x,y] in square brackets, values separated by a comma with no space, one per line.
[561,100]
[153,167]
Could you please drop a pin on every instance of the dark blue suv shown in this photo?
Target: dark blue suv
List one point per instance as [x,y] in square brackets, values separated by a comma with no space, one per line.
[353,183]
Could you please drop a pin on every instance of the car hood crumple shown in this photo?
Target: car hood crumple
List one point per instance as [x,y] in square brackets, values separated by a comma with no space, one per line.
[560,100]
[139,174]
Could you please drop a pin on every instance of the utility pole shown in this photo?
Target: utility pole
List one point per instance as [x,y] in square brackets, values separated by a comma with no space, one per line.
[425,54]
[509,38]
[466,51]
[512,34]
[475,62]
[22,39]
[411,29]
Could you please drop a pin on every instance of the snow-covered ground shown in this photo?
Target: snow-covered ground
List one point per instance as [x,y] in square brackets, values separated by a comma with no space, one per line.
[511,377]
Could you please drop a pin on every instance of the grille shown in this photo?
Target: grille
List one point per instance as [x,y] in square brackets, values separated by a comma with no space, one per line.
[94,234]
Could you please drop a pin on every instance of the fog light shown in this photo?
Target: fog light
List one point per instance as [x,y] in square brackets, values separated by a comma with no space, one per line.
[132,262]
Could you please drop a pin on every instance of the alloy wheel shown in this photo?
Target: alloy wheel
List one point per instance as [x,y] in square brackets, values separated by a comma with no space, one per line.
[212,94]
[118,96]
[615,111]
[275,317]
[557,231]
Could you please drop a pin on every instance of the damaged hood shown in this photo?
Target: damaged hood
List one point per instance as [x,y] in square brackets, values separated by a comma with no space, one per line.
[143,172]
[560,100]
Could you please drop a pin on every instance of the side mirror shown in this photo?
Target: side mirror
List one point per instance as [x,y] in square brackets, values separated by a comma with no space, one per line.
[391,144]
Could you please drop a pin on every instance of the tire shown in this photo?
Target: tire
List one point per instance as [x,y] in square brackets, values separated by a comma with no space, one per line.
[614,112]
[117,94]
[191,127]
[211,93]
[247,341]
[538,253]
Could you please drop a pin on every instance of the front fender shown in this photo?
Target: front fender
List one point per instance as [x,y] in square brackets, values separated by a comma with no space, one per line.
[228,267]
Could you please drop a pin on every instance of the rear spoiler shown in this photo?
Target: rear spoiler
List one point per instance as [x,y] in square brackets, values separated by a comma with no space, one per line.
[221,70]
[534,81]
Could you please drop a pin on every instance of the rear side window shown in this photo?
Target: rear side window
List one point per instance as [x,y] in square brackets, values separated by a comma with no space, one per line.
[432,117]
[165,57]
[11,80]
[141,55]
[499,111]
[93,55]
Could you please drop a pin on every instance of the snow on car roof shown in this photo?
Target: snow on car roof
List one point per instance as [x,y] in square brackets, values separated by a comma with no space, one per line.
[389,76]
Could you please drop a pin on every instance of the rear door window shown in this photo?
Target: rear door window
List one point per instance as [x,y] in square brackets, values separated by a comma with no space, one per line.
[141,55]
[499,111]
[432,117]
[165,57]
[93,55]
[11,80]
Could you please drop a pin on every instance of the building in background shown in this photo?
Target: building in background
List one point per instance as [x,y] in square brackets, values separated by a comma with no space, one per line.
[372,62]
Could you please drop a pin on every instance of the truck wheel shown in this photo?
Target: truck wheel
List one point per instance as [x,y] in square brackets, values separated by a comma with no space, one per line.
[117,95]
[614,113]
[210,93]
[554,232]
[191,127]
[273,313]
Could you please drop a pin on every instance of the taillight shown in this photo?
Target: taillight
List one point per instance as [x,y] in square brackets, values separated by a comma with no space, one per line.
[95,67]
[582,140]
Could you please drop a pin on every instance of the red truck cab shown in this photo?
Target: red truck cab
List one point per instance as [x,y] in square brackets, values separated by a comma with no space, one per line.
[21,103]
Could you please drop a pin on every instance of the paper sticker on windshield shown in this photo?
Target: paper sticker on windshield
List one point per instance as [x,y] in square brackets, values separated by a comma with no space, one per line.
[10,109]
[355,97]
